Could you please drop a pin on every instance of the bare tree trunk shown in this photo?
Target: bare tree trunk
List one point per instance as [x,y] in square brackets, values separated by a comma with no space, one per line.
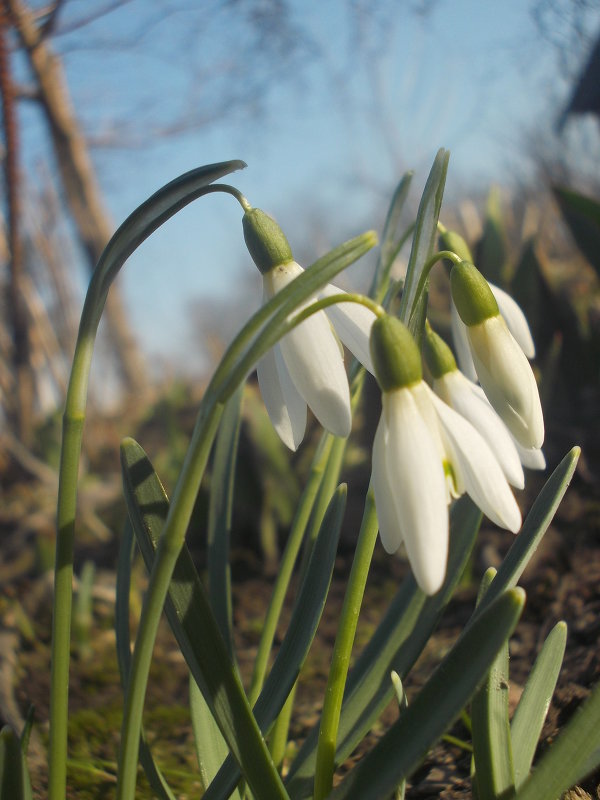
[78,178]
[21,411]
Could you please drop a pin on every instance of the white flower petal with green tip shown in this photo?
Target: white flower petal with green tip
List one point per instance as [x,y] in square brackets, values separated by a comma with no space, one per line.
[461,345]
[415,471]
[508,381]
[316,366]
[470,401]
[383,490]
[352,323]
[482,475]
[515,320]
[285,406]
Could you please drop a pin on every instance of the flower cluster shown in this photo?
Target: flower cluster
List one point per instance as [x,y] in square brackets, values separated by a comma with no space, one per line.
[433,442]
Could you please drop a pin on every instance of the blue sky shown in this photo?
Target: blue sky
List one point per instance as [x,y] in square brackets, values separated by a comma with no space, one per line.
[330,143]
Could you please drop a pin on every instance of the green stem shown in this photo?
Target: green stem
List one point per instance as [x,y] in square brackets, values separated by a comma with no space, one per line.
[279,734]
[286,566]
[342,650]
[424,276]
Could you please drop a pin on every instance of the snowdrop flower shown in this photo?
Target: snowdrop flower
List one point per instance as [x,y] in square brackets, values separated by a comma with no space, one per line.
[516,322]
[508,307]
[307,366]
[424,453]
[500,363]
[469,401]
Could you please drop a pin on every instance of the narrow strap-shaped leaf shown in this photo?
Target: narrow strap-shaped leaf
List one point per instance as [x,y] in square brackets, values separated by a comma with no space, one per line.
[304,621]
[155,777]
[211,748]
[424,239]
[219,514]
[534,527]
[492,747]
[387,250]
[396,644]
[530,714]
[15,783]
[572,755]
[402,748]
[190,617]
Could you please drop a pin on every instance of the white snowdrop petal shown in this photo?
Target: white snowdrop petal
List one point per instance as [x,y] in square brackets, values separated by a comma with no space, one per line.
[515,320]
[483,477]
[470,402]
[420,489]
[507,379]
[285,407]
[531,457]
[316,366]
[389,526]
[461,345]
[279,277]
[352,323]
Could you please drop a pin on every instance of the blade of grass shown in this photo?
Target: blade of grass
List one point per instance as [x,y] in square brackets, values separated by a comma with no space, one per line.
[530,714]
[490,728]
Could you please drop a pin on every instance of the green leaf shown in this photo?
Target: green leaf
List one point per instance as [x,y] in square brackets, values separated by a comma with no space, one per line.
[190,617]
[389,239]
[572,755]
[403,747]
[533,706]
[219,515]
[534,527]
[492,747]
[395,645]
[304,621]
[211,748]
[14,777]
[582,215]
[155,777]
[412,308]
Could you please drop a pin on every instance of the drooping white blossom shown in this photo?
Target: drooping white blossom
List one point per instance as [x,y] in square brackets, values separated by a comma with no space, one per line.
[499,360]
[307,367]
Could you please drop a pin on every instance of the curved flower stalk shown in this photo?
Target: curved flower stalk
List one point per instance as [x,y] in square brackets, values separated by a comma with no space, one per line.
[500,363]
[306,368]
[424,454]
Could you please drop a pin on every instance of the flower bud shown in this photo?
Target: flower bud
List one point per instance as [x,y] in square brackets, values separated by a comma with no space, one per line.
[437,354]
[265,240]
[395,354]
[450,240]
[471,294]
